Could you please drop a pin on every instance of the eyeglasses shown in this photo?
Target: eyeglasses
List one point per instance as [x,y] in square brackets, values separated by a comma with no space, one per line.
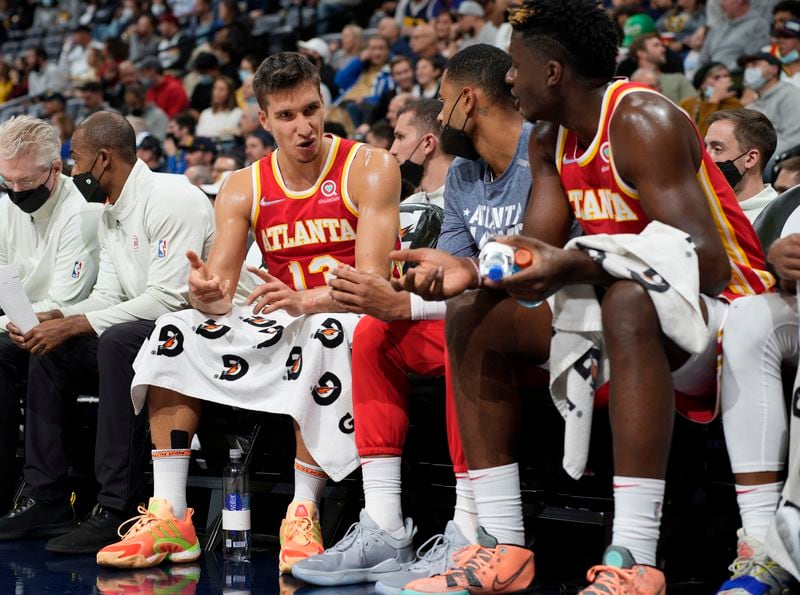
[24,183]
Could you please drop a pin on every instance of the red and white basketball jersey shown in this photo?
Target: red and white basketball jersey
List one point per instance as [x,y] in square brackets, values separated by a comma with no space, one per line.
[603,203]
[304,235]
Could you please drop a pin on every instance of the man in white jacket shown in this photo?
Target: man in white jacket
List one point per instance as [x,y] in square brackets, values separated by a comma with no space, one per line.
[147,225]
[50,237]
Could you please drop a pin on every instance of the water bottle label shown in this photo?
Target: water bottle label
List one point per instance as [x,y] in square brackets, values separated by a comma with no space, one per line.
[236,520]
[237,502]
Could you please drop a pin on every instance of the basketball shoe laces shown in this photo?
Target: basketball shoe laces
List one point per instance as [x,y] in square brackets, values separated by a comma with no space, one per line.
[300,527]
[610,577]
[140,522]
[744,564]
[469,560]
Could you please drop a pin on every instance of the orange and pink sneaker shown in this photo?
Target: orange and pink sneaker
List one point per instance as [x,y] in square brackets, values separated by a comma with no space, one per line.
[300,535]
[621,575]
[156,535]
[482,568]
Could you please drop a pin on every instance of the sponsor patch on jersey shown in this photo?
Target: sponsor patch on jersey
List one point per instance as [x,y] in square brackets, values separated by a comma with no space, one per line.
[162,248]
[328,188]
[605,152]
[77,269]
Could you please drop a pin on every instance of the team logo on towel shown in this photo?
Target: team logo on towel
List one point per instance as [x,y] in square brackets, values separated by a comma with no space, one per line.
[235,368]
[170,341]
[651,280]
[330,333]
[327,390]
[258,321]
[273,333]
[294,364]
[211,330]
[347,425]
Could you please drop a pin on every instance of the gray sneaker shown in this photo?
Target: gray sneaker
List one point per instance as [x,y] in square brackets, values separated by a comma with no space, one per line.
[365,554]
[437,559]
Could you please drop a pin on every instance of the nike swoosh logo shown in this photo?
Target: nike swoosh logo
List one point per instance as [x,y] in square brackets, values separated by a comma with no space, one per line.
[266,203]
[498,585]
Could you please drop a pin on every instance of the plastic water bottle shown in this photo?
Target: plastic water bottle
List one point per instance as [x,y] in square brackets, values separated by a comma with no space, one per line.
[238,577]
[498,261]
[236,510]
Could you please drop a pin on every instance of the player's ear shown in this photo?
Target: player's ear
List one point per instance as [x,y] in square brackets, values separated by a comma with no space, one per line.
[264,119]
[554,72]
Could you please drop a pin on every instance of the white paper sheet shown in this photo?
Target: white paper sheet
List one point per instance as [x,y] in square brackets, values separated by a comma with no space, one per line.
[14,301]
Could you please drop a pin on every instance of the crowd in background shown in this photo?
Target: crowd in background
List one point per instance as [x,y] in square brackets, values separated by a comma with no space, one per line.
[181,71]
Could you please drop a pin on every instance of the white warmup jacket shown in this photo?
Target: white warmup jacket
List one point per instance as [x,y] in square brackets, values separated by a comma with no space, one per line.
[54,250]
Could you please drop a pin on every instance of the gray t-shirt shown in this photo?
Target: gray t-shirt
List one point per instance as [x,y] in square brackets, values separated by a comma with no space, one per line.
[477,208]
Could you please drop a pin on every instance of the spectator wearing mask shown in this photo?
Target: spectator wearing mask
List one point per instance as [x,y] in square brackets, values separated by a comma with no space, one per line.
[50,238]
[220,121]
[175,47]
[741,142]
[163,90]
[144,40]
[788,174]
[743,31]
[136,104]
[715,92]
[199,83]
[650,53]
[43,75]
[777,100]
[787,39]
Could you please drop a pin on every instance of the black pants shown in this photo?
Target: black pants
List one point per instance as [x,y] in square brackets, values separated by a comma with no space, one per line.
[99,366]
[13,374]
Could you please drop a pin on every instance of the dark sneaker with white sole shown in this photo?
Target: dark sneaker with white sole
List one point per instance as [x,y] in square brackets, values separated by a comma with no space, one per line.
[35,518]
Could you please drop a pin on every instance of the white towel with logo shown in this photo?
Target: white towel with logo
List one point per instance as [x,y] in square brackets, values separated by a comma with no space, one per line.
[663,260]
[298,366]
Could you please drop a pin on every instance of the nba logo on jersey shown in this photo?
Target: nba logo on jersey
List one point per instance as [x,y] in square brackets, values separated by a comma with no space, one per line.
[77,269]
[162,248]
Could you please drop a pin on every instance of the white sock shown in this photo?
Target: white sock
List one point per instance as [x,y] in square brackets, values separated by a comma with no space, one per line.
[382,489]
[757,506]
[499,502]
[637,516]
[466,515]
[170,472]
[309,482]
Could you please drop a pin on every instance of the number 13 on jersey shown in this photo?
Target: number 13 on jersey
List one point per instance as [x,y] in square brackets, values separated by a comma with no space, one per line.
[323,265]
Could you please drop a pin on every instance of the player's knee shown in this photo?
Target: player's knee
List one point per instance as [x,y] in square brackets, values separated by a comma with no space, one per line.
[628,312]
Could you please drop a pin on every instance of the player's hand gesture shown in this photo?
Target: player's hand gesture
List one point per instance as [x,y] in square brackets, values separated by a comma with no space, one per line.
[273,295]
[205,289]
[438,275]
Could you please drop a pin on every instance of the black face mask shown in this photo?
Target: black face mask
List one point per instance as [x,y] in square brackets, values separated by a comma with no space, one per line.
[457,142]
[729,170]
[31,200]
[90,186]
[411,173]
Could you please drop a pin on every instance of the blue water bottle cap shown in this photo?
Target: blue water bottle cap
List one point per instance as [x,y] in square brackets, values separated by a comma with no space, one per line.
[495,272]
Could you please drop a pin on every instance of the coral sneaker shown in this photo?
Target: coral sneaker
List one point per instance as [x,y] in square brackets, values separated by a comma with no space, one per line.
[485,567]
[156,535]
[178,580]
[300,535]
[620,575]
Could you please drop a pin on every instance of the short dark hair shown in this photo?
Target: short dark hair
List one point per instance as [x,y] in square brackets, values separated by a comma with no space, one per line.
[485,66]
[792,6]
[638,44]
[577,33]
[752,129]
[425,115]
[281,72]
[186,120]
[383,130]
[399,59]
[791,164]
[111,131]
